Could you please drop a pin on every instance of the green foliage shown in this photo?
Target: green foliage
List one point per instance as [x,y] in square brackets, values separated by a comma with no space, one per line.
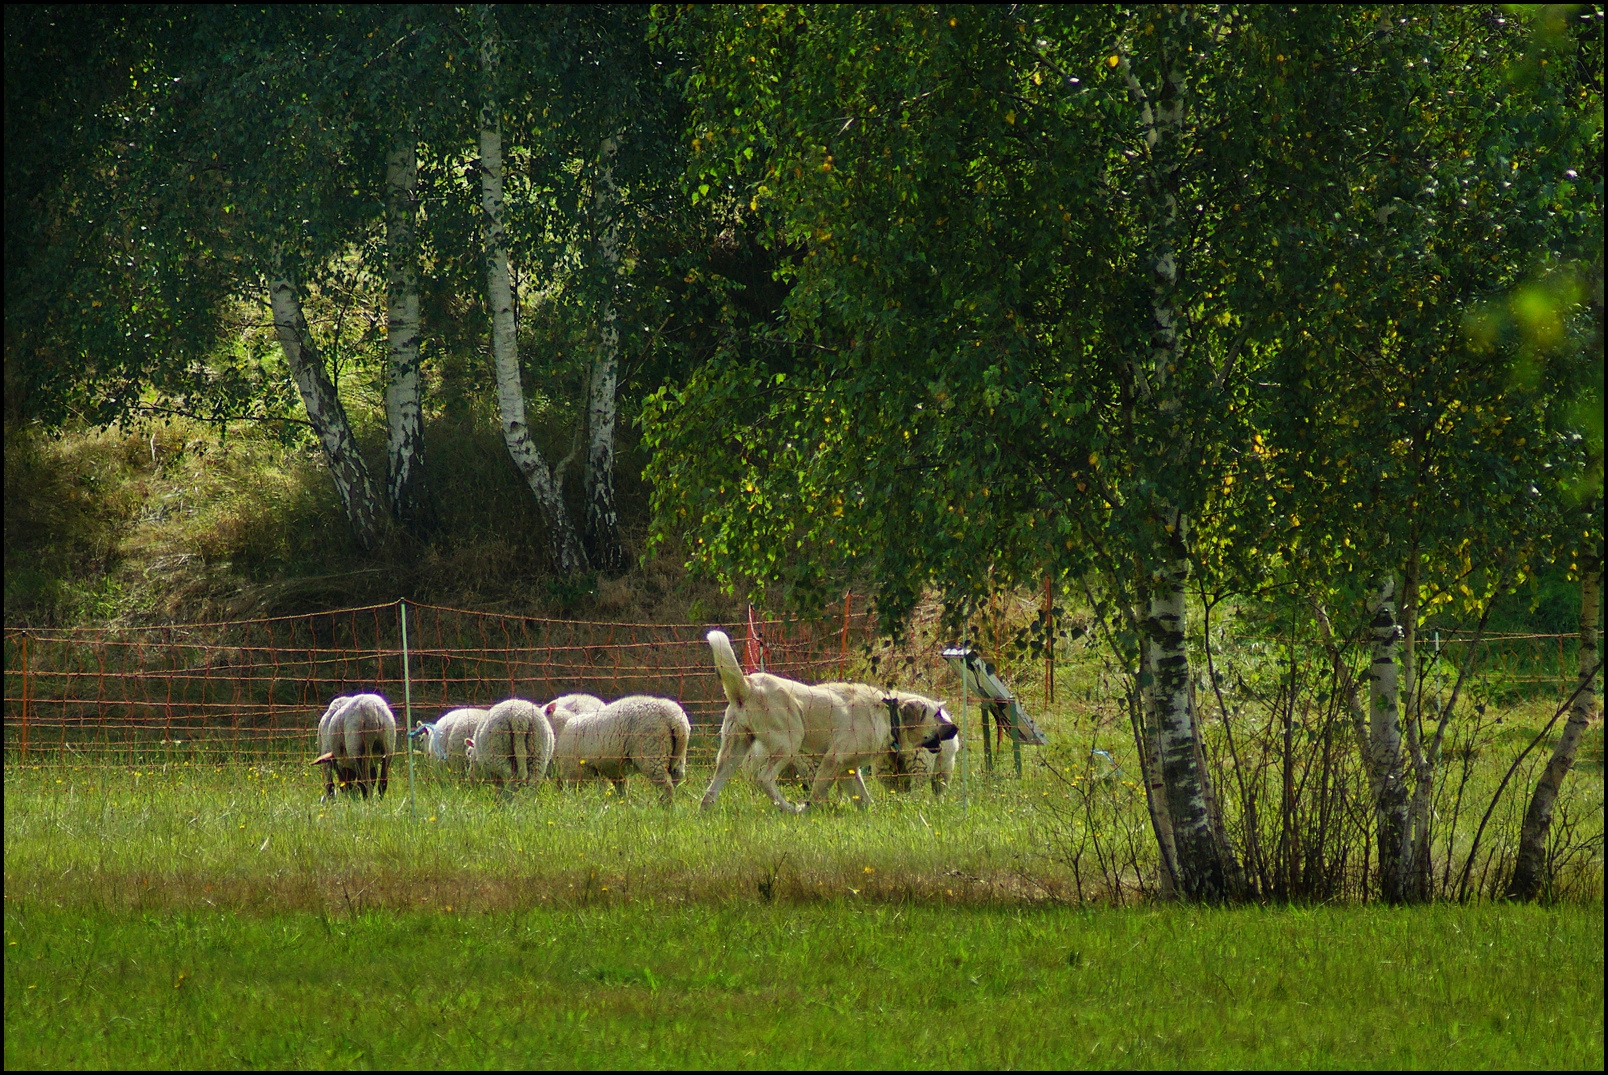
[964,200]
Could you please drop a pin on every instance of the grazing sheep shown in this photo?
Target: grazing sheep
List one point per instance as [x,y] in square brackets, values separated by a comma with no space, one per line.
[646,734]
[515,742]
[565,706]
[445,738]
[356,738]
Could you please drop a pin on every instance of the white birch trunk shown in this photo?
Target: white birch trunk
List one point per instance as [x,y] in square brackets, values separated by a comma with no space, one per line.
[404,444]
[1529,874]
[1201,873]
[325,413]
[563,544]
[1378,732]
[1384,745]
[1155,785]
[602,528]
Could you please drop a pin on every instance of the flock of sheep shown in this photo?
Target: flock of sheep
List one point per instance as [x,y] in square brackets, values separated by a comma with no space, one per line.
[828,735]
[514,742]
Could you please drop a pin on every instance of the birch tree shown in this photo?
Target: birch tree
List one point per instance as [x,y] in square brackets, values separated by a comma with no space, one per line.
[404,446]
[602,531]
[564,545]
[1530,871]
[324,411]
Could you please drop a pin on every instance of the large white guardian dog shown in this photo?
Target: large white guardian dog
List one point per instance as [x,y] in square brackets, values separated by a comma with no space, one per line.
[835,730]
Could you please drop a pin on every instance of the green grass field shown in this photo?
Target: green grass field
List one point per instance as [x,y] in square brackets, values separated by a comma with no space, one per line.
[835,984]
[218,915]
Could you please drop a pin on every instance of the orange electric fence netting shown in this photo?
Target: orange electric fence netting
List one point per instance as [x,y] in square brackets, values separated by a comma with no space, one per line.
[257,687]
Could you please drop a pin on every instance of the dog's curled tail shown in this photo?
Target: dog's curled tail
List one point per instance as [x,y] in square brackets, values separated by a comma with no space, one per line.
[731,673]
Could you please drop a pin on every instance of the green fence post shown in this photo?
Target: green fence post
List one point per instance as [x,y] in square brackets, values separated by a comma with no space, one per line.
[407,703]
[965,766]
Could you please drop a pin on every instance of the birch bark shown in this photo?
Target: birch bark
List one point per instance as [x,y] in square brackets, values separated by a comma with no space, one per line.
[404,444]
[1530,872]
[1384,744]
[564,545]
[325,413]
[1378,732]
[602,528]
[1201,873]
[1155,784]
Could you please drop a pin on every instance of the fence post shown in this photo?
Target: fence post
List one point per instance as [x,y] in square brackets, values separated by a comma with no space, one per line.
[25,699]
[407,702]
[965,766]
[1016,750]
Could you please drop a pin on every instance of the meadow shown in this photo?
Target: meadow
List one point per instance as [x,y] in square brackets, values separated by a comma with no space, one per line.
[834,984]
[216,914]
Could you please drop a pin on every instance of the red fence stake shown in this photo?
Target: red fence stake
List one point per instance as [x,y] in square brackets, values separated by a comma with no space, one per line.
[843,659]
[1049,643]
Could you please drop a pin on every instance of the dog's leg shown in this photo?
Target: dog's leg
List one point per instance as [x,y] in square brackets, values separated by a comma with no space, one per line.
[735,743]
[828,771]
[766,778]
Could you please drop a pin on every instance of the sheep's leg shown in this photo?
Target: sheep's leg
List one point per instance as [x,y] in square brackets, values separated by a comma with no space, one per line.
[619,785]
[385,773]
[734,747]
[659,774]
[863,798]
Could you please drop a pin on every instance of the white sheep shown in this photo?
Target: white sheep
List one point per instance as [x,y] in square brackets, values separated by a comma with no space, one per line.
[356,737]
[515,742]
[445,737]
[563,707]
[649,735]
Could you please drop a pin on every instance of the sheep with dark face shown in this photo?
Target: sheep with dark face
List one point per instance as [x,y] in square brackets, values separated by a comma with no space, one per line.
[647,734]
[356,738]
[514,743]
[445,739]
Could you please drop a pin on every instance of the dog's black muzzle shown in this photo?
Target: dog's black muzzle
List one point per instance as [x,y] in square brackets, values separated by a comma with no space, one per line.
[947,729]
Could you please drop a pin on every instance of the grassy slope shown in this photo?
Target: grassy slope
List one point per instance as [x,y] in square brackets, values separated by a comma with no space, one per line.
[172,524]
[829,985]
